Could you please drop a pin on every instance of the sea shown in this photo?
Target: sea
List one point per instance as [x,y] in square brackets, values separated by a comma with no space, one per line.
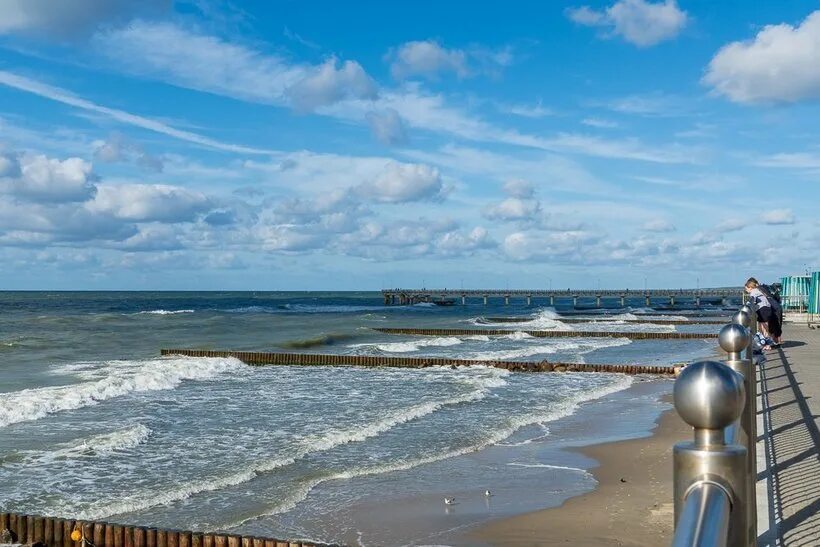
[94,424]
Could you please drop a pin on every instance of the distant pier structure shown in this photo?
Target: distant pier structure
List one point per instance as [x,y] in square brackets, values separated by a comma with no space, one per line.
[415,296]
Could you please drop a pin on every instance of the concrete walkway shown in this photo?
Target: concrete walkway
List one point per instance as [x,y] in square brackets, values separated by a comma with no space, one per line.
[789,448]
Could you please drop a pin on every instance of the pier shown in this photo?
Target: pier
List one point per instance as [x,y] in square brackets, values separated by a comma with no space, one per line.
[405,297]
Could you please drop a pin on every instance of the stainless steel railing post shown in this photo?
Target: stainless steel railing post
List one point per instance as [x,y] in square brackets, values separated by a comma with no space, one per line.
[710,478]
[734,339]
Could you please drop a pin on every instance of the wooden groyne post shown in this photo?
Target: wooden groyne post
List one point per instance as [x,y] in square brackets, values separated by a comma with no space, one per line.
[258,358]
[63,532]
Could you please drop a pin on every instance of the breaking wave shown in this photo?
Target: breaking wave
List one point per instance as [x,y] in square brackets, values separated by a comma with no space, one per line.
[114,379]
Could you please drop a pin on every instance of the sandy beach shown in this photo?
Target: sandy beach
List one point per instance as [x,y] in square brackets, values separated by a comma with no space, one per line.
[632,504]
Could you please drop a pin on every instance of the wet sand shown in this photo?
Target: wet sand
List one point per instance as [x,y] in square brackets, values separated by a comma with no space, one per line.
[631,506]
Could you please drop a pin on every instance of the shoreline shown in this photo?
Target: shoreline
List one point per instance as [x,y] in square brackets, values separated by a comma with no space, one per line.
[534,470]
[637,512]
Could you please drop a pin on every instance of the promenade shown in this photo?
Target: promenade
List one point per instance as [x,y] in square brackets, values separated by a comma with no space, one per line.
[788,451]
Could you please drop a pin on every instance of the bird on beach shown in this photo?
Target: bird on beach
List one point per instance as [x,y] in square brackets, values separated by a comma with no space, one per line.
[449,501]
[487,493]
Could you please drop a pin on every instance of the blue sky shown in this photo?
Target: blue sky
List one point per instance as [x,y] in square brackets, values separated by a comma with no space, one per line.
[207,144]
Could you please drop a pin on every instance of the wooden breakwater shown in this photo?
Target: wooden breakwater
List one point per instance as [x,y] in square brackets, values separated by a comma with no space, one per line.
[259,358]
[608,320]
[59,532]
[551,333]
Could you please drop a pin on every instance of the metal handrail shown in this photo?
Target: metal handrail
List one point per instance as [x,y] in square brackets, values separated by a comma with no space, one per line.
[715,475]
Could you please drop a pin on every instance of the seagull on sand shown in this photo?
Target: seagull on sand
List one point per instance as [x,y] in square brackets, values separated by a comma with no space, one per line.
[449,501]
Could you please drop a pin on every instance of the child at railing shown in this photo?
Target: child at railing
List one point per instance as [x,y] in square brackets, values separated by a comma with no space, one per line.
[768,318]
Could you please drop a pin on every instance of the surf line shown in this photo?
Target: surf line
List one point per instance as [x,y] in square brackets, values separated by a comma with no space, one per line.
[257,358]
[551,333]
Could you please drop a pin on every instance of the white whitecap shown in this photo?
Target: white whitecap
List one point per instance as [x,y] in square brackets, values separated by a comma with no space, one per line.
[111,379]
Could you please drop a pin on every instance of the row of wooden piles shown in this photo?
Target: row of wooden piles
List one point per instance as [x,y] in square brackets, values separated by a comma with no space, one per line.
[369,361]
[58,532]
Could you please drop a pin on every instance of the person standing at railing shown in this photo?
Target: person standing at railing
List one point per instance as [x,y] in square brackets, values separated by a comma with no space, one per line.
[767,319]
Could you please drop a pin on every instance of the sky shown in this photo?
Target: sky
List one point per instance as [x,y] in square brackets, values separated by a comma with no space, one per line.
[255,145]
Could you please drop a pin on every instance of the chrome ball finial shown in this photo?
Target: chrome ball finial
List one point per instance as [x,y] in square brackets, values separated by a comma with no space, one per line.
[734,338]
[742,317]
[709,395]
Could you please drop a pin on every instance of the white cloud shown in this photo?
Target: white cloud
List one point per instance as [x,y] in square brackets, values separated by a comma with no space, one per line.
[781,64]
[731,225]
[779,216]
[521,204]
[41,179]
[67,17]
[526,110]
[653,104]
[547,246]
[513,209]
[149,202]
[427,59]
[658,225]
[387,126]
[117,148]
[208,63]
[59,95]
[599,123]
[328,84]
[403,182]
[519,188]
[639,22]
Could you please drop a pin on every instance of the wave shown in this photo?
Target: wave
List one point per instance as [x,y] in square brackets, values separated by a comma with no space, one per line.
[322,340]
[564,409]
[118,378]
[480,378]
[547,466]
[415,345]
[324,308]
[103,444]
[164,312]
[545,319]
[580,345]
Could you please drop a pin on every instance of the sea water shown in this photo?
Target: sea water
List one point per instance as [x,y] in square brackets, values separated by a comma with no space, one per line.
[95,425]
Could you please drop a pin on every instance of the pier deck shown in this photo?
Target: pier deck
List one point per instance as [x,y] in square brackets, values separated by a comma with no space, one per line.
[789,448]
[413,296]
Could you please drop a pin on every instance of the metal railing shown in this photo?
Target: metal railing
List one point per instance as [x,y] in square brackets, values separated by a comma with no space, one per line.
[715,474]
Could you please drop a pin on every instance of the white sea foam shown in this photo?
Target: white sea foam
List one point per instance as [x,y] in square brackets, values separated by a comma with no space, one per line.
[414,345]
[519,335]
[578,345]
[115,379]
[561,410]
[482,379]
[102,444]
[546,319]
[164,312]
[547,466]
